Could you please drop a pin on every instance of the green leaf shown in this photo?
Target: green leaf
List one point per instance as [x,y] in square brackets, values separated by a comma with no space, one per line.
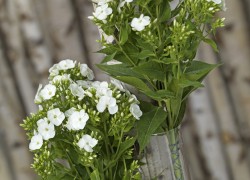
[109,57]
[211,43]
[109,50]
[166,61]
[118,70]
[148,124]
[198,70]
[159,95]
[145,54]
[165,11]
[183,83]
[95,175]
[128,143]
[137,83]
[123,36]
[151,69]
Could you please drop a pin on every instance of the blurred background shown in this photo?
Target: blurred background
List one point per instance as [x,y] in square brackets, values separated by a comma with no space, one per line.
[35,34]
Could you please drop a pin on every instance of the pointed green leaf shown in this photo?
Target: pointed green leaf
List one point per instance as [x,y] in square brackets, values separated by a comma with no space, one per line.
[198,70]
[148,124]
[183,83]
[136,82]
[118,70]
[211,43]
[145,54]
[159,95]
[165,11]
[109,57]
[128,143]
[151,69]
[123,36]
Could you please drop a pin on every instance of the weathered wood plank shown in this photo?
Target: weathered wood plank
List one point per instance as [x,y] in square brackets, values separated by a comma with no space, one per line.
[5,168]
[234,51]
[228,125]
[33,40]
[14,51]
[11,113]
[90,34]
[59,19]
[205,123]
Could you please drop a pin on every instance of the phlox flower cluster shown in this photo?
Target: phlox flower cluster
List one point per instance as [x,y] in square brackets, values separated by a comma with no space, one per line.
[72,107]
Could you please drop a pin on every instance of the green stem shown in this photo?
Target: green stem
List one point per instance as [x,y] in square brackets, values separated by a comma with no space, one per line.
[106,142]
[173,138]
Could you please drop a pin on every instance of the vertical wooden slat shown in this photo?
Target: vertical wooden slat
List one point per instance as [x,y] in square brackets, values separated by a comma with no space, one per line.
[33,39]
[207,130]
[90,35]
[14,52]
[227,122]
[59,19]
[234,51]
[13,141]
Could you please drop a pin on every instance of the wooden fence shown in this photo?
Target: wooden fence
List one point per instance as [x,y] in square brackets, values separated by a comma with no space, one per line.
[34,34]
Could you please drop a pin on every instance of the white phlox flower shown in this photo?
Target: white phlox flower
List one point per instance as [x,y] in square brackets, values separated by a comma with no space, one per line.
[38,98]
[48,91]
[84,84]
[46,129]
[54,70]
[102,11]
[87,143]
[102,89]
[60,78]
[107,102]
[138,24]
[135,111]
[86,71]
[69,112]
[118,84]
[77,120]
[66,64]
[55,116]
[122,3]
[36,142]
[77,91]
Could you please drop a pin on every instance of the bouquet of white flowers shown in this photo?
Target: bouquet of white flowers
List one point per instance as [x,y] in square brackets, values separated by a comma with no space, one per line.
[83,128]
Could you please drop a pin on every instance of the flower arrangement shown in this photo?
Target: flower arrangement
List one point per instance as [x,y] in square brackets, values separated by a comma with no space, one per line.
[153,48]
[86,129]
[83,128]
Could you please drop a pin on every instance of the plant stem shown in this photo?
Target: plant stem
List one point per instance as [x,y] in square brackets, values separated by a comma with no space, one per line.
[173,139]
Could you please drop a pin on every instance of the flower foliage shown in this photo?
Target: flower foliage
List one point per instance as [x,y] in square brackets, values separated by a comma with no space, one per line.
[82,129]
[153,49]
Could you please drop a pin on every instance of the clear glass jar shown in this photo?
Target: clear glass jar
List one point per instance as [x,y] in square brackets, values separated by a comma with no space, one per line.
[163,157]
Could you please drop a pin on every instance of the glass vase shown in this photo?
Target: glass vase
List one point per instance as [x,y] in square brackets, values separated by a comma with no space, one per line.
[163,157]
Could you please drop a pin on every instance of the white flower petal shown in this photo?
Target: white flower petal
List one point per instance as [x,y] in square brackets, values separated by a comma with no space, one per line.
[135,111]
[87,143]
[38,98]
[113,109]
[47,130]
[56,116]
[36,142]
[48,91]
[66,64]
